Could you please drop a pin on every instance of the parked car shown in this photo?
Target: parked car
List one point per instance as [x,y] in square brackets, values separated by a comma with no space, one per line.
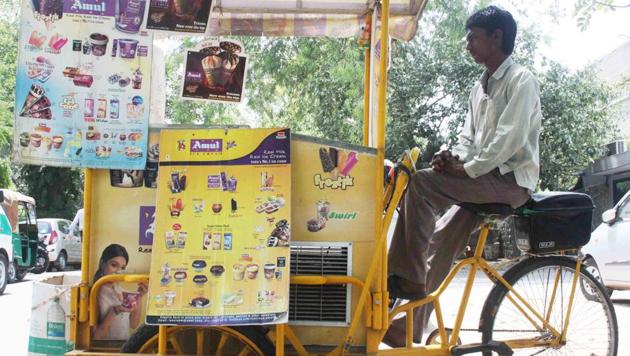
[63,245]
[607,254]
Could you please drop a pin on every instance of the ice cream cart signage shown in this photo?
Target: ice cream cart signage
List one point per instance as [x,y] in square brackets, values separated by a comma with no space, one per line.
[222,228]
[83,84]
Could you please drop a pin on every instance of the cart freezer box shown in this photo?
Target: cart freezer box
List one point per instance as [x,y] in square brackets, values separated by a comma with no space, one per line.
[50,325]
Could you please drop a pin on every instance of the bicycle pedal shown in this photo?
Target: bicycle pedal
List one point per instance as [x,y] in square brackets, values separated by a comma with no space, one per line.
[501,348]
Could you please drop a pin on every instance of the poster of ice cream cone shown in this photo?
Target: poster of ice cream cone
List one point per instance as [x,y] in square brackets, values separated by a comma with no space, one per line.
[222,228]
[190,16]
[83,84]
[215,71]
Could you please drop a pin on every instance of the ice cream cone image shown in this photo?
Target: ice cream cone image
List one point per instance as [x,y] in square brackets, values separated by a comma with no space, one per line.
[34,95]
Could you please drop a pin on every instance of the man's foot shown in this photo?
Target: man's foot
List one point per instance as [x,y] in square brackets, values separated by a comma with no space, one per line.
[401,288]
[394,337]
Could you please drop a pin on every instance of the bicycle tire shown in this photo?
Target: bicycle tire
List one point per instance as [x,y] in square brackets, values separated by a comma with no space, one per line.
[145,337]
[595,318]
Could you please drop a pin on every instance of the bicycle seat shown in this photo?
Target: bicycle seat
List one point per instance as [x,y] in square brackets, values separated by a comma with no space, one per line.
[488,209]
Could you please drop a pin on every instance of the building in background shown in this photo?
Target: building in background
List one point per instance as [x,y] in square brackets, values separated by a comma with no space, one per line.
[608,178]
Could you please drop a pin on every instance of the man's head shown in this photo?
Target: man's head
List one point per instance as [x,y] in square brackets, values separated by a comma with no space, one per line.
[490,33]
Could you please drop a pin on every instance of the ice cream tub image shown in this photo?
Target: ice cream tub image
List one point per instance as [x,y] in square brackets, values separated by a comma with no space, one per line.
[36,140]
[200,302]
[180,276]
[57,141]
[252,271]
[98,42]
[129,15]
[217,270]
[238,272]
[25,139]
[127,47]
[199,265]
[270,270]
[170,239]
[181,239]
[130,299]
[200,280]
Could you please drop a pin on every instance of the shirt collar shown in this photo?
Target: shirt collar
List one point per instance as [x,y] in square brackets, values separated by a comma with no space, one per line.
[500,72]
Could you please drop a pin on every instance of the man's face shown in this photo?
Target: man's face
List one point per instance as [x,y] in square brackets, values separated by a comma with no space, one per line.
[481,45]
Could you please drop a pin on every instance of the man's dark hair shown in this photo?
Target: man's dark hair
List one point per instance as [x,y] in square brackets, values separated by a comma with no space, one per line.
[492,18]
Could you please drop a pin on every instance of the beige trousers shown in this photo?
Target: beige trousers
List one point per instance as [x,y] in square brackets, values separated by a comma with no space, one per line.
[423,250]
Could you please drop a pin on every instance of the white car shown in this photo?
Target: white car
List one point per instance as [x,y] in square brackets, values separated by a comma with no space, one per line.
[63,245]
[607,254]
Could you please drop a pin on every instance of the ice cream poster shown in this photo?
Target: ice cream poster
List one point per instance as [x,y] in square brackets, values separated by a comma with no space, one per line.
[216,71]
[222,228]
[83,84]
[179,15]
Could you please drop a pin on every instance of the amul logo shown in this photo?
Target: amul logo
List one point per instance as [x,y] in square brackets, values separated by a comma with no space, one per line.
[206,145]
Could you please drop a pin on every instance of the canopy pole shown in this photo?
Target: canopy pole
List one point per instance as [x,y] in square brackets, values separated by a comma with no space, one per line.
[367,83]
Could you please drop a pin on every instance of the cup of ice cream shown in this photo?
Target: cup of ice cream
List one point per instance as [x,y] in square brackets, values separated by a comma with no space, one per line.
[199,265]
[130,299]
[36,140]
[57,141]
[127,47]
[238,272]
[98,42]
[180,276]
[252,271]
[25,139]
[217,270]
[270,270]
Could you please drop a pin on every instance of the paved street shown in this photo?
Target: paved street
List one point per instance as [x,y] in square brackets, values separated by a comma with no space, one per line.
[15,307]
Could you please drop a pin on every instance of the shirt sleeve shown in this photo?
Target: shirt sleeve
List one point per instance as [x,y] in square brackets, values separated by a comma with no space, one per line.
[464,148]
[512,130]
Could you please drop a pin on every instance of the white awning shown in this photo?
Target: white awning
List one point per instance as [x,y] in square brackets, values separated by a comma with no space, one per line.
[306,18]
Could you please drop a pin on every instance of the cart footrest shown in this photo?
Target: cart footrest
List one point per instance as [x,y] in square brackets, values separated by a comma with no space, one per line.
[501,348]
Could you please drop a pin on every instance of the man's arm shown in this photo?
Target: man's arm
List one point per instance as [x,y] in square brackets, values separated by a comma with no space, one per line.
[513,128]
[464,148]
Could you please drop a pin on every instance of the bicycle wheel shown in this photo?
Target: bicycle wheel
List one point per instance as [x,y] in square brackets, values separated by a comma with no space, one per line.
[194,340]
[592,328]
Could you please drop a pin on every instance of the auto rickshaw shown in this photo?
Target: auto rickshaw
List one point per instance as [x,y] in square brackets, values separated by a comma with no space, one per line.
[339,302]
[19,244]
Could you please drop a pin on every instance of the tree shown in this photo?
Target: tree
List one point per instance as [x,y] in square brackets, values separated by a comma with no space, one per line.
[8,58]
[584,9]
[576,125]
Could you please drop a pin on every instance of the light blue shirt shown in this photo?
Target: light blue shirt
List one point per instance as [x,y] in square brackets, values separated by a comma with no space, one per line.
[503,125]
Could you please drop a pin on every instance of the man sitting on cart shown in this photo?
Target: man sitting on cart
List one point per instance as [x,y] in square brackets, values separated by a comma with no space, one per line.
[495,161]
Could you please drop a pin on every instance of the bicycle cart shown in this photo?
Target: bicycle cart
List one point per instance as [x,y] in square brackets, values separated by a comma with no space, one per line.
[341,209]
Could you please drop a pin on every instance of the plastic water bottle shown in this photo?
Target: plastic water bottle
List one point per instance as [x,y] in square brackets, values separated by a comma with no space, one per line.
[56,328]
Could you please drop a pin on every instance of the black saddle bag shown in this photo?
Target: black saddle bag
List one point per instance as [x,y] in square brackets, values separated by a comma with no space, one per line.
[553,221]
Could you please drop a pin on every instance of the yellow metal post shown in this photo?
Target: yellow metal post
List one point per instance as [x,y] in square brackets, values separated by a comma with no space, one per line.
[366,86]
[85,246]
[162,340]
[280,339]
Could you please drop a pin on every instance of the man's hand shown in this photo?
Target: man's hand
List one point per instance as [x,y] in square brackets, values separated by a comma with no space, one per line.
[440,158]
[445,161]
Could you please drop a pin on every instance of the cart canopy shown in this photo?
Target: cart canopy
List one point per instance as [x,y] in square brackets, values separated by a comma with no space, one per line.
[308,18]
[10,201]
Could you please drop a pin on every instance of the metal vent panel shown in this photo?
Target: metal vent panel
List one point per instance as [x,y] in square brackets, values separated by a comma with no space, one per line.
[327,305]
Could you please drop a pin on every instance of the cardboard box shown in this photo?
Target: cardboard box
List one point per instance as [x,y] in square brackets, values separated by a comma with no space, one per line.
[50,324]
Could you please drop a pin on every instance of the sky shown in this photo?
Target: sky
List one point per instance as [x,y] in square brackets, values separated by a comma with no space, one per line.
[564,41]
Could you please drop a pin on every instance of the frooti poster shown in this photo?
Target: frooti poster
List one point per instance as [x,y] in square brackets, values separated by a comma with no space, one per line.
[215,71]
[179,15]
[83,84]
[222,228]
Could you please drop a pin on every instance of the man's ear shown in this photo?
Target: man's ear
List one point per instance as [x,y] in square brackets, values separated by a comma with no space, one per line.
[497,38]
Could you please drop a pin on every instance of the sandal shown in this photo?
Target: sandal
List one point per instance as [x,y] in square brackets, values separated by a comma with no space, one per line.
[395,291]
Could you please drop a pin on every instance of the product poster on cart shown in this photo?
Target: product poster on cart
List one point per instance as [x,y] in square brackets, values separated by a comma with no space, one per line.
[83,84]
[222,233]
